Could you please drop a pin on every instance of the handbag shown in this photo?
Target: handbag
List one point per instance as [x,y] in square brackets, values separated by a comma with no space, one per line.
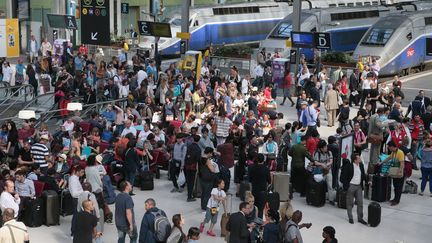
[181,180]
[375,139]
[213,210]
[395,172]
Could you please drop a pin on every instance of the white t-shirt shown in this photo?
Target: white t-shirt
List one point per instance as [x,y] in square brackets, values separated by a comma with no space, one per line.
[244,86]
[33,46]
[357,175]
[366,84]
[7,72]
[188,95]
[141,75]
[212,202]
[238,102]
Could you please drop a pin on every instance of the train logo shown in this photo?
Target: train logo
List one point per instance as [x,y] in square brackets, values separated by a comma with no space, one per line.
[410,52]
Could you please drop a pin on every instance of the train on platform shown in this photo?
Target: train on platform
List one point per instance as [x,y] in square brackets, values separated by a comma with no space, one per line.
[400,42]
[346,25]
[248,22]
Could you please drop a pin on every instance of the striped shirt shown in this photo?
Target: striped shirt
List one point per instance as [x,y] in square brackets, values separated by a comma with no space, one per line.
[38,152]
[222,126]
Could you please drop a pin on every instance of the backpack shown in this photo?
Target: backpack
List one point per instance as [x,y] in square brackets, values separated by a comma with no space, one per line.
[283,229]
[162,226]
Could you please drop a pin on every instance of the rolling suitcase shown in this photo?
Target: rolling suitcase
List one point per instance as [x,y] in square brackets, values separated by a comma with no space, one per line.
[381,188]
[52,207]
[316,195]
[273,200]
[244,186]
[33,214]
[374,214]
[281,182]
[66,203]
[341,195]
[146,181]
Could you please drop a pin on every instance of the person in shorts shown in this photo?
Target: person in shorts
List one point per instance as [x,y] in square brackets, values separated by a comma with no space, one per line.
[218,196]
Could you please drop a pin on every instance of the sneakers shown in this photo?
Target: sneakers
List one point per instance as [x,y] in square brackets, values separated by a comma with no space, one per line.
[109,221]
[174,190]
[201,227]
[210,233]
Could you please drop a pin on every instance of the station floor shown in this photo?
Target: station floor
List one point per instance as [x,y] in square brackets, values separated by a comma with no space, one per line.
[408,222]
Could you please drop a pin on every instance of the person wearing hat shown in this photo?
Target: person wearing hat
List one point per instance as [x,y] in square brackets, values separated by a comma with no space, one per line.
[40,153]
[329,235]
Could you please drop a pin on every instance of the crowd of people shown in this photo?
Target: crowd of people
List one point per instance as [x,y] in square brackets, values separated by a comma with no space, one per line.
[197,128]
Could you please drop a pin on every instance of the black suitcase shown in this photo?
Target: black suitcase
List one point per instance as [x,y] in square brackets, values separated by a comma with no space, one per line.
[273,200]
[374,214]
[146,180]
[33,214]
[66,203]
[316,194]
[381,188]
[244,186]
[341,198]
[52,207]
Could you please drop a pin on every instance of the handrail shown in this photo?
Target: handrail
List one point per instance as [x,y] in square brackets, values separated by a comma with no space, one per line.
[10,105]
[20,87]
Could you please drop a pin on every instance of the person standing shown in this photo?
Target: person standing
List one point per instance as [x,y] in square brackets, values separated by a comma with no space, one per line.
[12,230]
[397,159]
[124,214]
[177,163]
[293,226]
[375,134]
[33,48]
[353,177]
[40,153]
[46,47]
[366,87]
[177,235]
[7,72]
[193,156]
[260,178]
[354,87]
[287,88]
[207,176]
[426,167]
[331,105]
[86,224]
[324,166]
[237,225]
[9,199]
[131,163]
[218,196]
[75,189]
[147,229]
[299,174]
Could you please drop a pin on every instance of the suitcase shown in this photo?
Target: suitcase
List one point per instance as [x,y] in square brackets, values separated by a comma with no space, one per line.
[316,195]
[66,203]
[146,181]
[381,188]
[341,195]
[33,214]
[273,200]
[374,214]
[52,207]
[281,181]
[244,186]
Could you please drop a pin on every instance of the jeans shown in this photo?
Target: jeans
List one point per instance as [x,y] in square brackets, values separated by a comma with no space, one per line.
[398,186]
[130,176]
[123,232]
[190,181]
[174,172]
[354,191]
[426,176]
[206,188]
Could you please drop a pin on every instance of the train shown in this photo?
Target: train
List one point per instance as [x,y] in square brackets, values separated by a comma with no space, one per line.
[235,23]
[400,42]
[346,25]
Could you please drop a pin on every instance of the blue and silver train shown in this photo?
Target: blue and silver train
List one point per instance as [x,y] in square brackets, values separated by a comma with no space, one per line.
[236,23]
[399,42]
[347,25]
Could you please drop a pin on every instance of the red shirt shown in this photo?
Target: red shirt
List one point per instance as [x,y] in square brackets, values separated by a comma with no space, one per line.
[312,145]
[288,81]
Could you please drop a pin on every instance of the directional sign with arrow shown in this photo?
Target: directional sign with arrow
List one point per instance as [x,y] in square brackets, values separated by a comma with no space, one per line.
[95,22]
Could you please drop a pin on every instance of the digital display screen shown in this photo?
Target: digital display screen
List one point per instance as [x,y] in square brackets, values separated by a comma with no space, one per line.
[161,30]
[302,39]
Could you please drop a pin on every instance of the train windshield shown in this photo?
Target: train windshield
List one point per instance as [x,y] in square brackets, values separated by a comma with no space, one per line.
[378,36]
[283,30]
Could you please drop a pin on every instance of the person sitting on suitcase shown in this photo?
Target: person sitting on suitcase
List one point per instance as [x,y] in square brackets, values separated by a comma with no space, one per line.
[323,162]
[352,178]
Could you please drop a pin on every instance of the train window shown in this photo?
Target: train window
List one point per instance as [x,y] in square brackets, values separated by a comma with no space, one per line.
[374,3]
[359,3]
[377,36]
[367,4]
[409,36]
[354,15]
[332,5]
[341,5]
[350,4]
[282,31]
[238,10]
[428,20]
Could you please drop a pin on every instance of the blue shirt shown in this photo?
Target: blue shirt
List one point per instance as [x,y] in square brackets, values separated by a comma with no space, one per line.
[78,63]
[311,115]
[109,115]
[20,68]
[152,70]
[123,201]
[227,101]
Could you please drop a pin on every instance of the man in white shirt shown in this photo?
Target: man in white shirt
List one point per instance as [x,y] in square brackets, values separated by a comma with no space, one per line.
[75,189]
[205,70]
[33,48]
[7,200]
[141,75]
[353,177]
[128,129]
[12,230]
[245,84]
[7,72]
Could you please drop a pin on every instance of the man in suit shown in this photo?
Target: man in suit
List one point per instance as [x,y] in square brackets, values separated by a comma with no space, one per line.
[424,99]
[352,177]
[237,225]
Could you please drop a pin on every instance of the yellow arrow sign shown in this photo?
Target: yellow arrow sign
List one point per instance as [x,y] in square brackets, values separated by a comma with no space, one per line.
[183,35]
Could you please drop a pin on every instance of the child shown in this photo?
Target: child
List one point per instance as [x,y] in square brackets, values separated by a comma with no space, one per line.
[217,196]
[193,235]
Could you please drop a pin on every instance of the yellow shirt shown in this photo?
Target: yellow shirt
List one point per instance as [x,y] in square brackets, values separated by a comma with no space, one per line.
[399,156]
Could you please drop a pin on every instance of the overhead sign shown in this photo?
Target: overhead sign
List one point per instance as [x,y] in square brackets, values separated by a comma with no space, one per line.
[125,8]
[62,21]
[302,39]
[322,40]
[95,23]
[156,29]
[183,35]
